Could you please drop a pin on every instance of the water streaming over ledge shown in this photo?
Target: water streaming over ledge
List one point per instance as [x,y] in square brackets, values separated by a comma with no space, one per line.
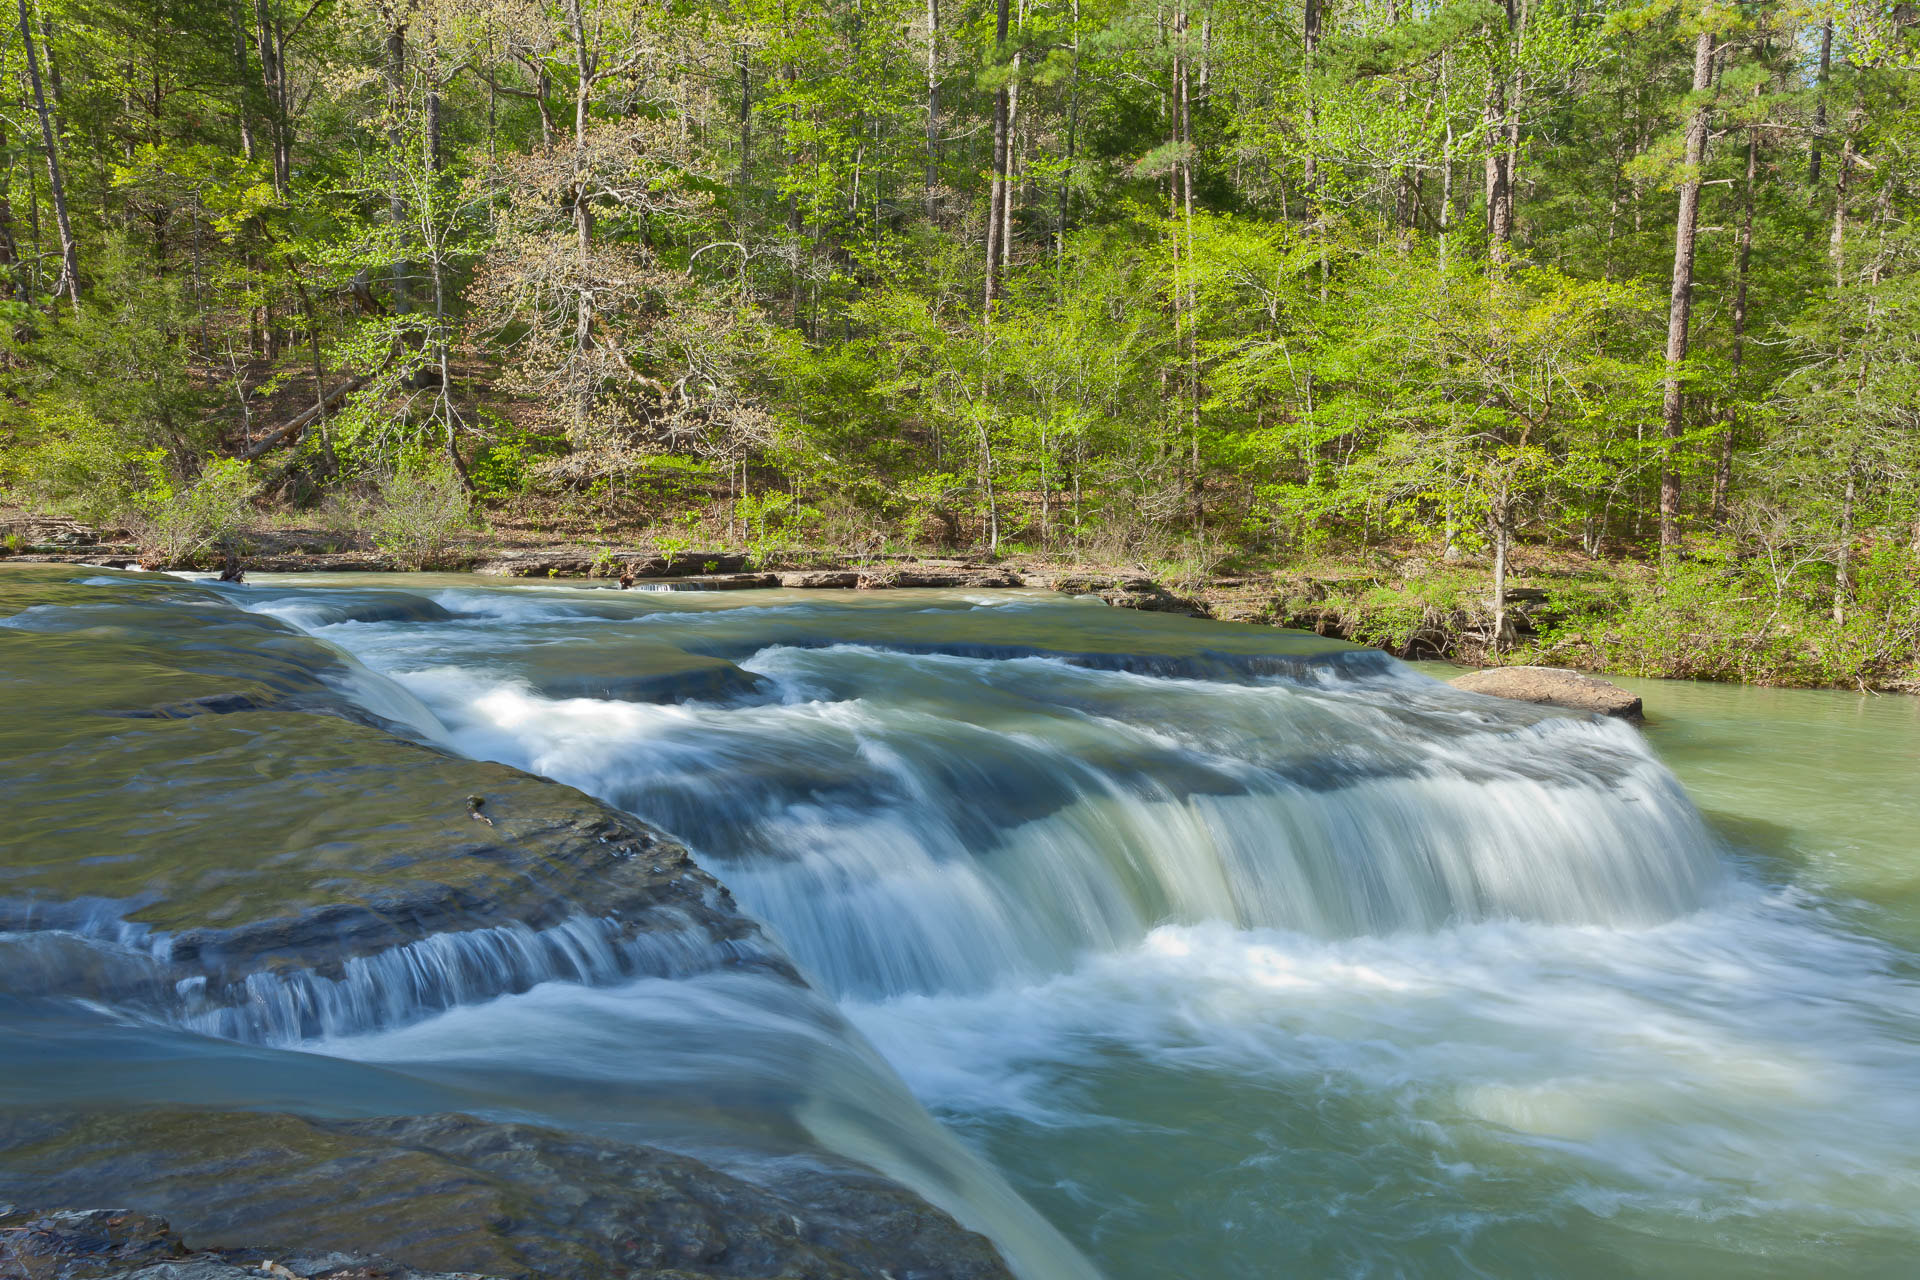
[897,852]
[1239,953]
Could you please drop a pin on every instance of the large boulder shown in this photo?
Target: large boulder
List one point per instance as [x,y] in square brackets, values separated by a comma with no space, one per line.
[1552,687]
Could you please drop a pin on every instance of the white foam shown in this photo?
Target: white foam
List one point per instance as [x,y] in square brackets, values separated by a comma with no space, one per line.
[888,888]
[1744,1052]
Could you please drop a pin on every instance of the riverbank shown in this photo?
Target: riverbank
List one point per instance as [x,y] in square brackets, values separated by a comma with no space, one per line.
[1700,620]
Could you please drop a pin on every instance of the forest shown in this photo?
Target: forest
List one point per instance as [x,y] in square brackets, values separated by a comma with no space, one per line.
[1619,299]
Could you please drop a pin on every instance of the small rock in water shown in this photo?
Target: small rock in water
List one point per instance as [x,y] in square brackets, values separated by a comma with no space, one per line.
[1553,687]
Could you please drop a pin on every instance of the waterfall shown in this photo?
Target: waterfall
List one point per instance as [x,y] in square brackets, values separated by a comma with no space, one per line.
[915,823]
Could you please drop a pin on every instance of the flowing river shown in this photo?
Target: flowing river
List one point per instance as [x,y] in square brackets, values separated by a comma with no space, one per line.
[1222,952]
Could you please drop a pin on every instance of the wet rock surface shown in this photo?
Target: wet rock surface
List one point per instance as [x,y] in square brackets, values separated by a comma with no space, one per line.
[1553,687]
[819,579]
[1129,592]
[729,581]
[196,789]
[99,1244]
[422,1196]
[632,673]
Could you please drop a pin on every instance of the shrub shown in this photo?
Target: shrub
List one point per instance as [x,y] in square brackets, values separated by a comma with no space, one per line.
[74,465]
[774,523]
[1731,619]
[174,521]
[422,513]
[1444,614]
[504,467]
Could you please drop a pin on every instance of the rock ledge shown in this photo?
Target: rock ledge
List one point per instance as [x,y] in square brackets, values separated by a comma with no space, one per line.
[1553,687]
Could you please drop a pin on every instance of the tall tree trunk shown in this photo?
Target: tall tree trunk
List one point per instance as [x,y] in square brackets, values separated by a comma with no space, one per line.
[1842,180]
[433,232]
[1843,553]
[1680,297]
[1493,117]
[796,224]
[932,176]
[282,112]
[1516,93]
[430,110]
[993,503]
[996,193]
[12,283]
[1013,152]
[242,78]
[1820,103]
[68,282]
[1501,121]
[1184,119]
[1073,131]
[395,71]
[1204,93]
[1445,221]
[1743,261]
[582,214]
[54,82]
[273,80]
[543,98]
[746,134]
[1310,43]
[445,372]
[1501,518]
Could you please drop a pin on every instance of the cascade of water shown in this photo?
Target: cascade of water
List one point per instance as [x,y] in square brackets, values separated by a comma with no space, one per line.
[445,970]
[895,848]
[98,954]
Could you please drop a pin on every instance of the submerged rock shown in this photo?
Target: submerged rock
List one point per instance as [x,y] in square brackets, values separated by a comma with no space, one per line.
[452,1193]
[1553,687]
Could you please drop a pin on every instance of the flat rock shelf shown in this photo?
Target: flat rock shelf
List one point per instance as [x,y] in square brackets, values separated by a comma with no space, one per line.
[1553,687]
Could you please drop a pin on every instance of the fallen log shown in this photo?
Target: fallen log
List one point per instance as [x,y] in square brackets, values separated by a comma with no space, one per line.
[293,426]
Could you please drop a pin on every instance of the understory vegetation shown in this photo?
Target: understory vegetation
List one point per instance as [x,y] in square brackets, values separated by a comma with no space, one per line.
[1616,301]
